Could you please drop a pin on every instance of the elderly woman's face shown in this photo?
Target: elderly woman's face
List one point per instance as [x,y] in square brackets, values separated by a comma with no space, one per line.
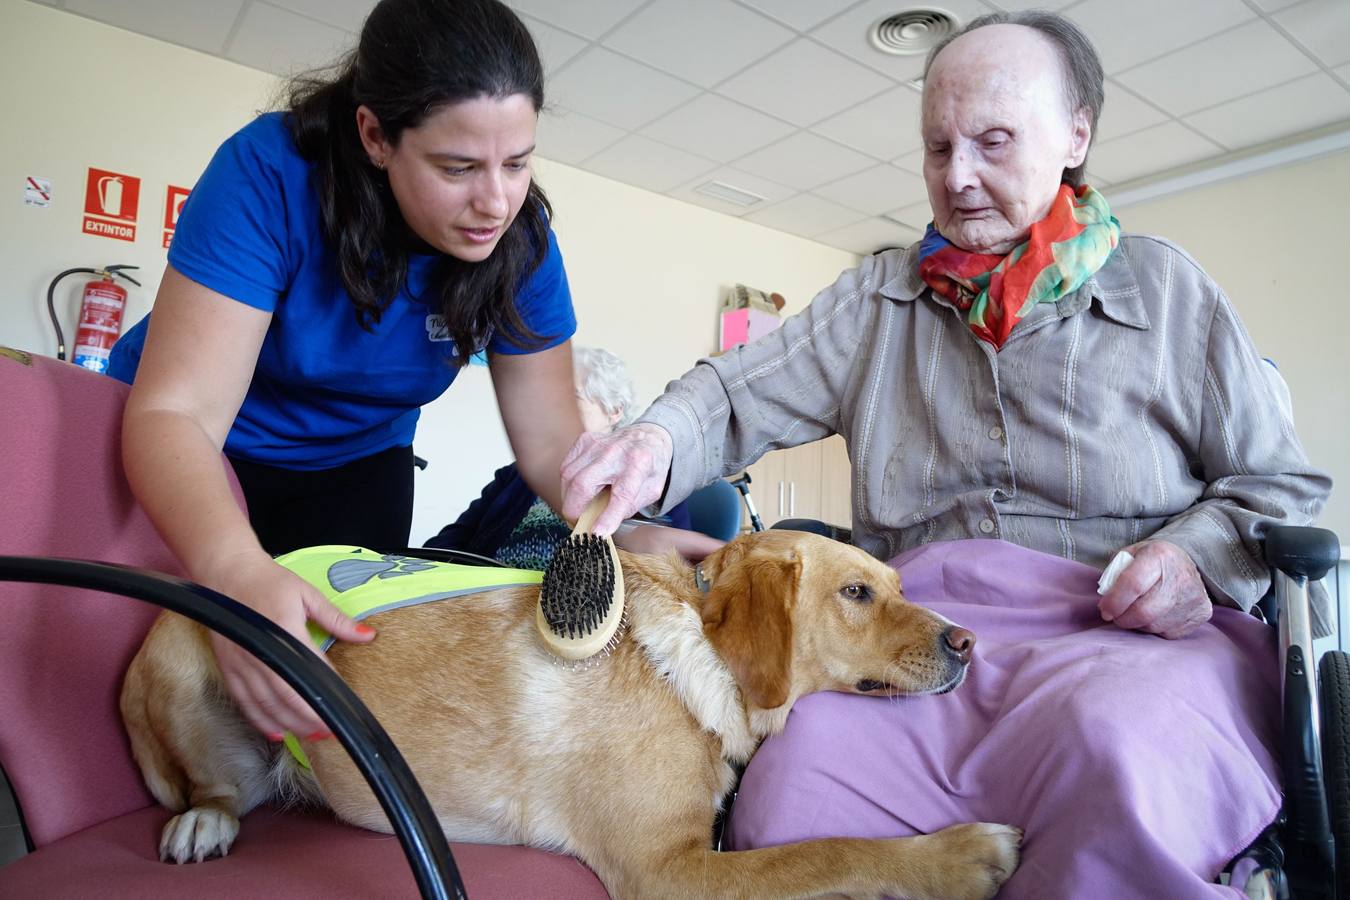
[997,136]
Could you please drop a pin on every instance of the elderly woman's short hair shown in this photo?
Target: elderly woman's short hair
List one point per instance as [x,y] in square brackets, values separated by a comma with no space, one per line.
[1083,76]
[604,379]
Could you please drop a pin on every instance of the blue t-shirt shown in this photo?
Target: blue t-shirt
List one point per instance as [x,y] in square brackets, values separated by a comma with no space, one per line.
[325,391]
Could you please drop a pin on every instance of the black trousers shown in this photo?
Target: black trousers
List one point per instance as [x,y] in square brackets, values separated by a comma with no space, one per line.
[366,503]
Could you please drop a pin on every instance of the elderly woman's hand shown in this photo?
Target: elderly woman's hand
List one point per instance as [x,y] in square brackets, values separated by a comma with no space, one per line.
[1160,592]
[634,461]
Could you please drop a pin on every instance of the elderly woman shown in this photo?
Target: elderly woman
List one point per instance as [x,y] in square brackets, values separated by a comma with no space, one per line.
[1025,393]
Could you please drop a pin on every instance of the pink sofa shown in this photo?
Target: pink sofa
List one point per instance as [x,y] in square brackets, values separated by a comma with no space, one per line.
[94,827]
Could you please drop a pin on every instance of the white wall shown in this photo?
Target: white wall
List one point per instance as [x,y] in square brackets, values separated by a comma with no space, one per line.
[647,272]
[79,94]
[1278,242]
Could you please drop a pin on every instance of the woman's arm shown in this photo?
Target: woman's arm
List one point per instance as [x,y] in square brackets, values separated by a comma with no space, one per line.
[537,398]
[198,361]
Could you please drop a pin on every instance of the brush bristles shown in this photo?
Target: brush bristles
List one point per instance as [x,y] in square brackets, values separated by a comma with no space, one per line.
[578,586]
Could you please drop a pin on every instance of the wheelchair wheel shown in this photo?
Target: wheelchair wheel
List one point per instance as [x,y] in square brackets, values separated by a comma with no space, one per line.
[1333,678]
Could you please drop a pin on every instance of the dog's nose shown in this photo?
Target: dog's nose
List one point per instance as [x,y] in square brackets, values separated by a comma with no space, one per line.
[960,642]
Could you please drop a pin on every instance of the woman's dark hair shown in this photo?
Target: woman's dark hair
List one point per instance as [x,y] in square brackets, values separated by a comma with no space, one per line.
[1079,62]
[413,58]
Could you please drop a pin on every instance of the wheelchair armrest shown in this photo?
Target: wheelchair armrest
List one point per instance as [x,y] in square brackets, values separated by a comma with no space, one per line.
[1302,551]
[379,761]
[816,526]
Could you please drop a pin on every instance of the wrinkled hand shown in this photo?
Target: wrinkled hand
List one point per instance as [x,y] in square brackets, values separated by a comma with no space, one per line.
[270,704]
[1160,592]
[634,461]
[692,545]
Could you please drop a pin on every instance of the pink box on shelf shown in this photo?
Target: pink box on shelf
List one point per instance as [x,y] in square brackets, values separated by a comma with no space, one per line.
[740,326]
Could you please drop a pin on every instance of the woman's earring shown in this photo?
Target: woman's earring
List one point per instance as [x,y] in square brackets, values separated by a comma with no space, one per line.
[378,163]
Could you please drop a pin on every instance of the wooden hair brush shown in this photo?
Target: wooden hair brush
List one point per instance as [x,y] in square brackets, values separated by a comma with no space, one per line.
[581,598]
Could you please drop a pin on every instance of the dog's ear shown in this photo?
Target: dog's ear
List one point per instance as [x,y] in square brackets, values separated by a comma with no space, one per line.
[747,617]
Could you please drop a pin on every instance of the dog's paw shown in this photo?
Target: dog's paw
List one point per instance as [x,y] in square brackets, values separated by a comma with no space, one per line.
[976,858]
[198,834]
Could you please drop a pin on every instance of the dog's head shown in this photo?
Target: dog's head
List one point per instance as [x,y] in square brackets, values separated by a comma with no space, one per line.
[792,613]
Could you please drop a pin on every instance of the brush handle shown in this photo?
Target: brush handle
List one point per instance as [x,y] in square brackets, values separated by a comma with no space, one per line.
[592,512]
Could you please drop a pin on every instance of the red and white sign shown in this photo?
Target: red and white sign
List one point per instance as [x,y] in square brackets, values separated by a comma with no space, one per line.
[110,203]
[174,198]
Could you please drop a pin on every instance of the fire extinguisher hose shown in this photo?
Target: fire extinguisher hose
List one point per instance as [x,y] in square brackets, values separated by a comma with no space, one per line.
[118,271]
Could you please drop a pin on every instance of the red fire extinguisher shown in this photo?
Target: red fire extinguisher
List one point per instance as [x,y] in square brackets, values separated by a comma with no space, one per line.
[100,323]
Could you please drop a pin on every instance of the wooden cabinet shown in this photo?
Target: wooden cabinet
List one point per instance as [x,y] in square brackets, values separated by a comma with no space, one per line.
[807,482]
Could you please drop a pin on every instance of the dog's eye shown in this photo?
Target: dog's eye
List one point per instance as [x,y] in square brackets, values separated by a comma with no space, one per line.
[857,592]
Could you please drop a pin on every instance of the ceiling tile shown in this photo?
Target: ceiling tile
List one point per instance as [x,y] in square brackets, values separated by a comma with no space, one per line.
[799,14]
[1249,58]
[1323,26]
[875,190]
[348,15]
[1014,5]
[848,34]
[1281,111]
[1272,5]
[803,161]
[868,236]
[556,46]
[717,128]
[569,137]
[1148,152]
[1123,113]
[588,85]
[202,26]
[282,42]
[803,83]
[911,161]
[883,126]
[771,192]
[647,164]
[916,216]
[703,41]
[806,215]
[1127,34]
[589,19]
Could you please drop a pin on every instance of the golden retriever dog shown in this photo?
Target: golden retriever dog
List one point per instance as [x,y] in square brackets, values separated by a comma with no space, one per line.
[622,763]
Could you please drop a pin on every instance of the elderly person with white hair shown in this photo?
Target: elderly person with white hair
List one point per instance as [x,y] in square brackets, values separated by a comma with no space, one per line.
[1025,393]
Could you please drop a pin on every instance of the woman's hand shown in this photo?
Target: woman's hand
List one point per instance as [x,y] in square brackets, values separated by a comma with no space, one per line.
[1160,592]
[270,704]
[634,461]
[692,545]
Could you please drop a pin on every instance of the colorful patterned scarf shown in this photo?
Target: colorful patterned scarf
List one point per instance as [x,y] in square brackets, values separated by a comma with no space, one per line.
[1064,250]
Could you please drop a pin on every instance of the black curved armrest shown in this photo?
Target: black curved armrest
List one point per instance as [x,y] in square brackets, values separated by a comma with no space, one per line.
[364,739]
[1301,550]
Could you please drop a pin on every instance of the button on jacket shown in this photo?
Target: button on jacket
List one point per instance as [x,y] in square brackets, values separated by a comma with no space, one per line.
[1134,407]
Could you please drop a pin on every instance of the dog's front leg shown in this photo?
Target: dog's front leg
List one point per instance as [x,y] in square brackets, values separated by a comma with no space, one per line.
[964,862]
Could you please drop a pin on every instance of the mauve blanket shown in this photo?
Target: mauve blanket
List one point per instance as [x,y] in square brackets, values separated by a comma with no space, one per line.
[1137,766]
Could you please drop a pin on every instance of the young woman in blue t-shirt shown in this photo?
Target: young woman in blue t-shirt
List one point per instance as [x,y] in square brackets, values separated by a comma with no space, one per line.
[332,269]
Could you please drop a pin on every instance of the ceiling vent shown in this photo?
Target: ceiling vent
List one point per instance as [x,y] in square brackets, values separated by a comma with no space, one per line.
[913,31]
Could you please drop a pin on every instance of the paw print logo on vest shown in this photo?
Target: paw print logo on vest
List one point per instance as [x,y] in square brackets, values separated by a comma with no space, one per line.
[352,573]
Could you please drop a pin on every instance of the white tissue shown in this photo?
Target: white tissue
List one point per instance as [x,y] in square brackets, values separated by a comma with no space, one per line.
[1112,571]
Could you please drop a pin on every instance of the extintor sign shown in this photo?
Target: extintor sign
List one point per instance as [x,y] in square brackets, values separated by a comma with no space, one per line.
[111,200]
[174,198]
